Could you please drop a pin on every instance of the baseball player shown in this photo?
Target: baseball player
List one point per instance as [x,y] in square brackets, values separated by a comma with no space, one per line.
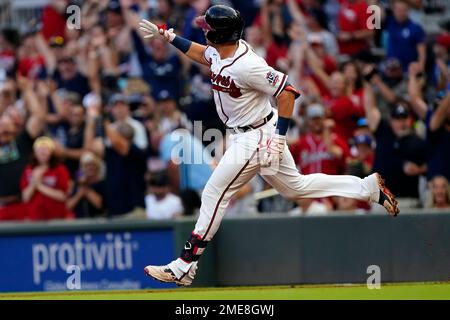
[243,85]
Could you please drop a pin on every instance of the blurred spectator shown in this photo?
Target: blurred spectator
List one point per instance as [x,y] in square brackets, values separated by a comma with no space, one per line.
[353,80]
[314,22]
[30,61]
[416,84]
[338,102]
[170,117]
[125,165]
[297,70]
[254,37]
[87,200]
[310,207]
[188,162]
[362,127]
[244,202]
[67,76]
[390,84]
[406,39]
[71,146]
[354,35]
[190,30]
[17,135]
[348,205]
[9,41]
[45,184]
[320,150]
[160,203]
[161,66]
[274,19]
[438,139]
[341,107]
[441,68]
[361,162]
[121,113]
[438,196]
[201,107]
[318,62]
[8,95]
[400,155]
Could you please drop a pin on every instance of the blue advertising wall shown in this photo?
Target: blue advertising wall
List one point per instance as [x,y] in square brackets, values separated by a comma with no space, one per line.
[107,260]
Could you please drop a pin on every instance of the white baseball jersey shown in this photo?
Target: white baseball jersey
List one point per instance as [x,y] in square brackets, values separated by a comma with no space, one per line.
[243,85]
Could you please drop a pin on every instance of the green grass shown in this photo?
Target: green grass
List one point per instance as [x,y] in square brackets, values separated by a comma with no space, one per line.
[388,291]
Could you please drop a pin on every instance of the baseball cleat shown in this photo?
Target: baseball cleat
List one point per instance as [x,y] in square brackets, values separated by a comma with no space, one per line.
[387,199]
[164,274]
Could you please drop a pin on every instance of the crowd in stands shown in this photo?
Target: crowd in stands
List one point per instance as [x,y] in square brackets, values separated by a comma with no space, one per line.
[88,115]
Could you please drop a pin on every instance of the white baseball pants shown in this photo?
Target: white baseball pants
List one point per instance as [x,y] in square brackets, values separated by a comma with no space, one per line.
[241,162]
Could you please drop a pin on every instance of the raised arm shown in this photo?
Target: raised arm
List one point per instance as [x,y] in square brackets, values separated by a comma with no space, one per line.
[193,50]
[439,116]
[92,143]
[118,143]
[373,115]
[46,52]
[414,90]
[316,66]
[36,121]
[295,11]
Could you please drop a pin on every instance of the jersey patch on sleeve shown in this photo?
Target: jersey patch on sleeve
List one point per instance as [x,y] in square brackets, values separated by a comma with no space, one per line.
[272,78]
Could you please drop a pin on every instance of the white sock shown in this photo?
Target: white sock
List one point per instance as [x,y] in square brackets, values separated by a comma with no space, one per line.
[179,267]
[371,183]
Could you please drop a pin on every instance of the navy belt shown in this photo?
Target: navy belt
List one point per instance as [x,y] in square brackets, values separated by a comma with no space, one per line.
[256,125]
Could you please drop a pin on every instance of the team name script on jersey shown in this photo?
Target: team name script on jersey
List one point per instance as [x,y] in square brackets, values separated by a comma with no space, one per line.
[225,84]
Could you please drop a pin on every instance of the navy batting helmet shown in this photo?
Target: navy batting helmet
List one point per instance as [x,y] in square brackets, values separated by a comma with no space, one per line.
[222,24]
